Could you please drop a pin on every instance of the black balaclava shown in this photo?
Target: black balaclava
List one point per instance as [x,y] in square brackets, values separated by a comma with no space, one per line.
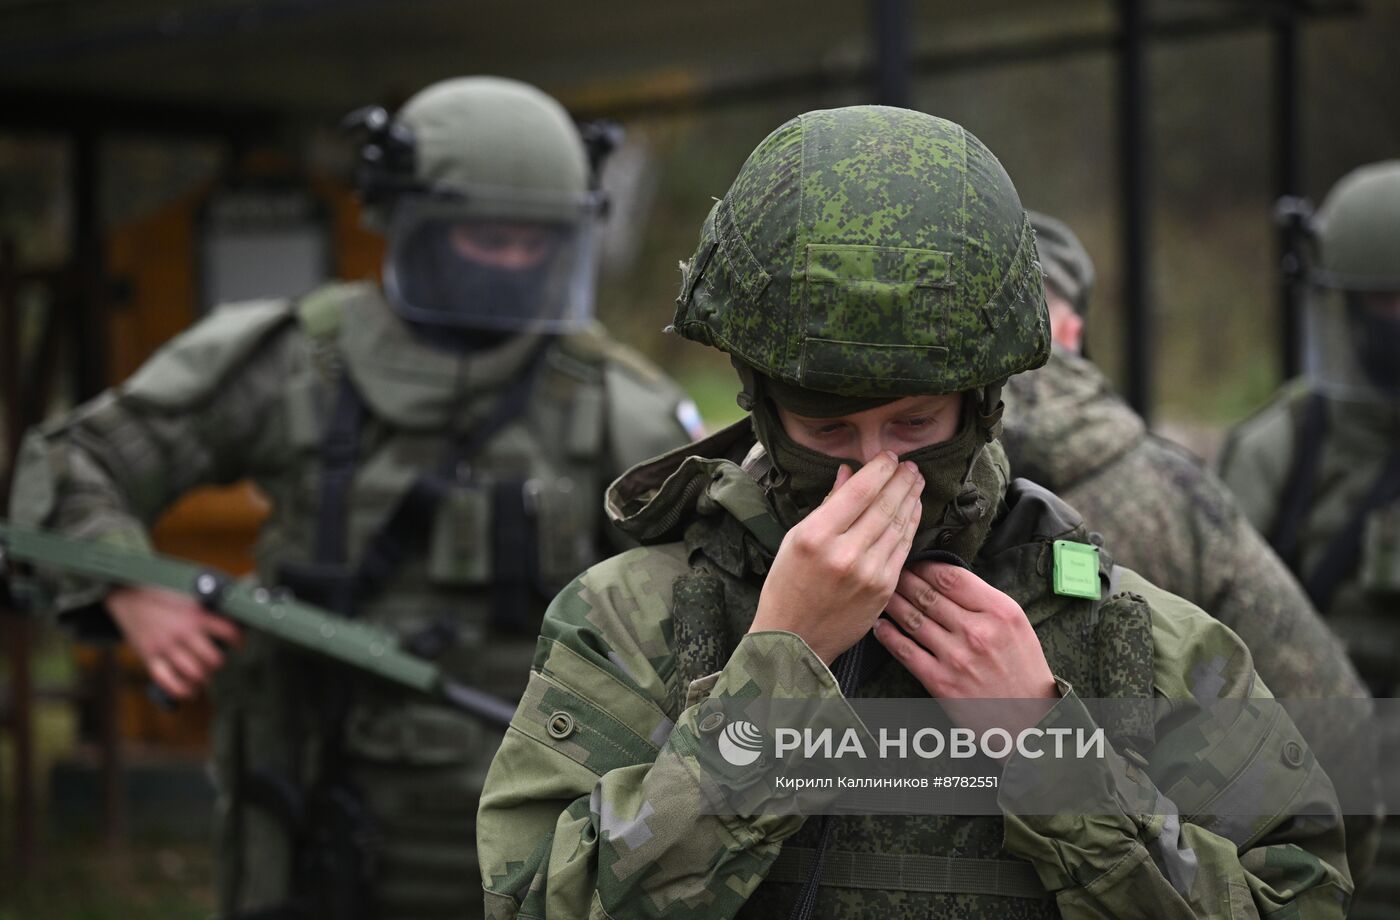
[1377,339]
[440,277]
[964,479]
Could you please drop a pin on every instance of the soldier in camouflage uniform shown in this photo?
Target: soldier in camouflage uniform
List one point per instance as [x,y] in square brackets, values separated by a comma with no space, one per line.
[1317,470]
[1067,430]
[873,276]
[435,454]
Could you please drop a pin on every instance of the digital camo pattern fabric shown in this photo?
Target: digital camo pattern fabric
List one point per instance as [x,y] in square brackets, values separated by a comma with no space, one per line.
[1065,428]
[593,803]
[1168,518]
[870,251]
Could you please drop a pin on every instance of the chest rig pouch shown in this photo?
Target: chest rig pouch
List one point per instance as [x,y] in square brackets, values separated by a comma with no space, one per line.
[512,528]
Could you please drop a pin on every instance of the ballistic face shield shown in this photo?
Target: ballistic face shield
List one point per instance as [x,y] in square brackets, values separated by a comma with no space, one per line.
[495,260]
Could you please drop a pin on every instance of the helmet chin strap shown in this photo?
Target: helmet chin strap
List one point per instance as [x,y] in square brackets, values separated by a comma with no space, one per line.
[990,409]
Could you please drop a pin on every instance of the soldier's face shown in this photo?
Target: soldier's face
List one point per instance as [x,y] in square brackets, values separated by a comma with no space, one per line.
[513,247]
[902,426]
[1066,326]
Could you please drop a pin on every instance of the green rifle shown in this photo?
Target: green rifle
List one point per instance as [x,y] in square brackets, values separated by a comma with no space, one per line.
[356,645]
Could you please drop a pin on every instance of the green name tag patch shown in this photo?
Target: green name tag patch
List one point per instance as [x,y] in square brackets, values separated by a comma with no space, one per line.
[1076,569]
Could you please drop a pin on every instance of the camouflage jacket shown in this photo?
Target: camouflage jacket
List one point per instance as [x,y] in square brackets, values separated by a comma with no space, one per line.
[592,806]
[1066,429]
[1357,441]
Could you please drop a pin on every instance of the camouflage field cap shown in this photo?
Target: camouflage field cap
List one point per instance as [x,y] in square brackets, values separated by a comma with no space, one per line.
[1358,231]
[870,251]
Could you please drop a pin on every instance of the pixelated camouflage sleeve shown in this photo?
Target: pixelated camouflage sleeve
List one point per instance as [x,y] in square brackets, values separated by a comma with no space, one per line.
[593,804]
[201,410]
[1226,820]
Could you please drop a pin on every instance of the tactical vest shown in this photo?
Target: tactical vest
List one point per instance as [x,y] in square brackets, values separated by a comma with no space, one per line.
[480,504]
[910,866]
[1340,534]
[1348,559]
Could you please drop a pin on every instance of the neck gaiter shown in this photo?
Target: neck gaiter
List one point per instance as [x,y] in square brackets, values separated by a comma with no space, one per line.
[964,477]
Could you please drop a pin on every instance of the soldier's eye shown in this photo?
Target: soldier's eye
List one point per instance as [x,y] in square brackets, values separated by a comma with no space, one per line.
[920,422]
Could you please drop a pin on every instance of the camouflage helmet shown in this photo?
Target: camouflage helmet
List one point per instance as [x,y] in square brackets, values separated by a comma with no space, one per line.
[869,252]
[1358,231]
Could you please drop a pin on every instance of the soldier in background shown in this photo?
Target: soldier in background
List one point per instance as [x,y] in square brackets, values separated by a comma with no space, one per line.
[873,277]
[1172,521]
[1318,469]
[435,453]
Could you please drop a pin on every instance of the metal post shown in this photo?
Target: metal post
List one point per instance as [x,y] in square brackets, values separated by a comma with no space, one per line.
[89,340]
[90,329]
[891,29]
[1132,148]
[17,631]
[1288,178]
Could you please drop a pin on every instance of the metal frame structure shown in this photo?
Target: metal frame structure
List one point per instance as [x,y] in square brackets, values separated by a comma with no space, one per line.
[887,74]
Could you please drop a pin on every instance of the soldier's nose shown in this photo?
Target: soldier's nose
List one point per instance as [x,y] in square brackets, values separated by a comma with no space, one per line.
[871,446]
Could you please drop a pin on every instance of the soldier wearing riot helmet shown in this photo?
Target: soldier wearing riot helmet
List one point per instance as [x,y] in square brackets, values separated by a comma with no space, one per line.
[434,453]
[873,276]
[1318,469]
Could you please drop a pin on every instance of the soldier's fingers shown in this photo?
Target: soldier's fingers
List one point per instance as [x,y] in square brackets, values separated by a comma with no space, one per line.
[906,543]
[916,659]
[190,668]
[886,512]
[923,629]
[168,680]
[203,648]
[891,545]
[856,493]
[226,631]
[927,600]
[959,585]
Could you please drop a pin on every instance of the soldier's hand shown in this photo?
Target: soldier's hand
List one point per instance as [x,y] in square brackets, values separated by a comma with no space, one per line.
[965,640]
[174,636]
[836,570]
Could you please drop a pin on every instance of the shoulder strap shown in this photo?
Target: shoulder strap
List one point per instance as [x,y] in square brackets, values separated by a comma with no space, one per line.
[1344,552]
[1309,432]
[340,451]
[324,580]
